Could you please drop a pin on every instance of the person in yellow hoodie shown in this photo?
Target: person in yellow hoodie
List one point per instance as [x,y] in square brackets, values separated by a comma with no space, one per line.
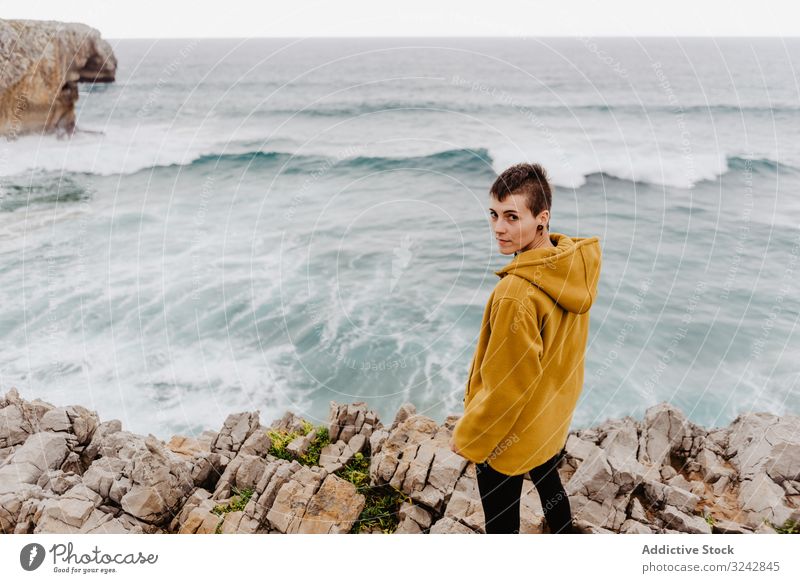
[528,368]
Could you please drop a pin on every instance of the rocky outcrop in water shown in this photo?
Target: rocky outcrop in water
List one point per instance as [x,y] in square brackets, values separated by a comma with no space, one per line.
[41,64]
[62,470]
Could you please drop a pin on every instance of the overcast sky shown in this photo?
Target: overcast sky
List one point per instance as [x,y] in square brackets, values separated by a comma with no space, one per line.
[304,18]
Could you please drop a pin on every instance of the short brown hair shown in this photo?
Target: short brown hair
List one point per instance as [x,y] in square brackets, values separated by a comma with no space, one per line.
[528,179]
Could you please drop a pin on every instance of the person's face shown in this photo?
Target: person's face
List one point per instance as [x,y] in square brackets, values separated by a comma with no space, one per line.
[513,223]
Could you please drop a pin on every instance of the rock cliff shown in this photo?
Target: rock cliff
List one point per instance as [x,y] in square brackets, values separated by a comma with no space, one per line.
[62,470]
[41,64]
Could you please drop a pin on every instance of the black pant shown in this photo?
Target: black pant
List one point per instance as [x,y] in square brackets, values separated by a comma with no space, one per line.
[500,496]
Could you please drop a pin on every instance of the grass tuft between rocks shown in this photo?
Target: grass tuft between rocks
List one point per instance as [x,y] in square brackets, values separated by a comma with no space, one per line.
[382,502]
[788,527]
[238,501]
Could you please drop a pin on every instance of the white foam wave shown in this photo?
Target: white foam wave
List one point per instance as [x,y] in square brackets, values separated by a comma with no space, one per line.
[125,150]
[570,169]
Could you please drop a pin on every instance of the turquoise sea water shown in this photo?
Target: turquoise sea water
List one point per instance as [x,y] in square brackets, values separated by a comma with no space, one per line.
[275,224]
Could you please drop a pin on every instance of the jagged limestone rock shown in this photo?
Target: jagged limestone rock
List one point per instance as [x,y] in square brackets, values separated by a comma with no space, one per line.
[41,64]
[65,472]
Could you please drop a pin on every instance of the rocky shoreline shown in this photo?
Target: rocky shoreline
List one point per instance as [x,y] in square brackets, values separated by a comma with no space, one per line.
[62,470]
[41,64]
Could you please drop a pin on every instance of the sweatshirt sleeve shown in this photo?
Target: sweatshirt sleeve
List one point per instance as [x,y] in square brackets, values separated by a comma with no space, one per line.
[510,372]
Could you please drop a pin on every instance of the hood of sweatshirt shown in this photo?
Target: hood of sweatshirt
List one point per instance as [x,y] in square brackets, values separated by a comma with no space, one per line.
[568,272]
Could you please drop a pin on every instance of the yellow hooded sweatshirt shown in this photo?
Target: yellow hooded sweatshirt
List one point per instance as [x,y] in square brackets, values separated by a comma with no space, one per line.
[527,371]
